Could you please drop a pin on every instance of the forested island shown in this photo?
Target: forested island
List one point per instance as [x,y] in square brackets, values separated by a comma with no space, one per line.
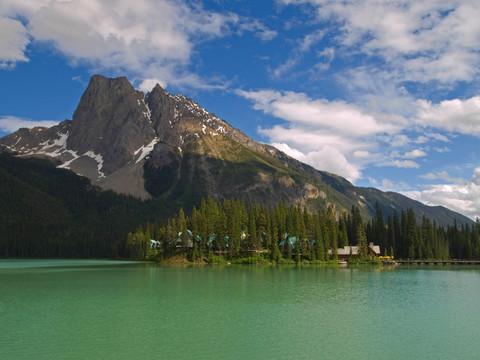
[231,230]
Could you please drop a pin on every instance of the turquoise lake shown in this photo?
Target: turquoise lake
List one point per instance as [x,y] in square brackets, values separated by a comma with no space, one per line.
[82,309]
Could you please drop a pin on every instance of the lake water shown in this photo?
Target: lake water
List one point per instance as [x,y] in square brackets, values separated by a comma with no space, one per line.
[52,309]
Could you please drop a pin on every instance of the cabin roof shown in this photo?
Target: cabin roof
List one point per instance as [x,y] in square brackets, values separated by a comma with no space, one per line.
[353,250]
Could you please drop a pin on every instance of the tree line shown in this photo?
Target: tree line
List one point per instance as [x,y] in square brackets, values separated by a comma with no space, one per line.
[232,229]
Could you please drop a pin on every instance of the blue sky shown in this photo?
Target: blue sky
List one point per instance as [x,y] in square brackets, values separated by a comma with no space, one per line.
[384,93]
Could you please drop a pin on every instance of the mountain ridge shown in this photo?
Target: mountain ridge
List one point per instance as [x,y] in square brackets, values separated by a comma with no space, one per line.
[169,147]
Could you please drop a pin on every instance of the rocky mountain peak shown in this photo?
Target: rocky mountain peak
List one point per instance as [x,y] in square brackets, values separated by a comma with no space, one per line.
[112,119]
[168,109]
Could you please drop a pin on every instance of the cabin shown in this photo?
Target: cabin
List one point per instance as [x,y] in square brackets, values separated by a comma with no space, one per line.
[352,251]
[185,241]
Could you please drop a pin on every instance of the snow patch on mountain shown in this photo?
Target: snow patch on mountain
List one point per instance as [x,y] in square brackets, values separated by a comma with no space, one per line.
[221,129]
[53,148]
[145,150]
[99,159]
[147,113]
[66,165]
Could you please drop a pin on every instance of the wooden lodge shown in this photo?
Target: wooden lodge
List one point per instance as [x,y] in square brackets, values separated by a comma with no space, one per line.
[352,251]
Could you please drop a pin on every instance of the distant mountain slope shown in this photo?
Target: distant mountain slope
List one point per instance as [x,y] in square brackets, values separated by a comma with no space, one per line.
[168,147]
[50,212]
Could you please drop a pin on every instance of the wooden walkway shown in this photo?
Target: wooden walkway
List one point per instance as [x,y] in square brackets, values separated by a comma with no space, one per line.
[439,262]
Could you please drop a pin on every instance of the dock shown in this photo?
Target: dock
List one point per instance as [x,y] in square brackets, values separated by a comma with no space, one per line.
[439,262]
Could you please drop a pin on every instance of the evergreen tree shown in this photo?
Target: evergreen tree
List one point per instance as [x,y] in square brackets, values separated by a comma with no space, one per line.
[362,242]
[331,235]
[252,240]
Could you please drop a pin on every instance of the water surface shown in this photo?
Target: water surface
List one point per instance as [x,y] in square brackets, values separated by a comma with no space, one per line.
[108,310]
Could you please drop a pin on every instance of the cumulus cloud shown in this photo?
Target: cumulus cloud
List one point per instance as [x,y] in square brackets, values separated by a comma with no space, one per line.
[135,36]
[319,132]
[434,40]
[308,139]
[455,115]
[148,84]
[463,198]
[333,135]
[327,158]
[358,134]
[13,42]
[9,124]
[338,117]
[145,38]
[415,154]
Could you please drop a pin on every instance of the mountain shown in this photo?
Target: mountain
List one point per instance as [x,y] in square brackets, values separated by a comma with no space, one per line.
[164,146]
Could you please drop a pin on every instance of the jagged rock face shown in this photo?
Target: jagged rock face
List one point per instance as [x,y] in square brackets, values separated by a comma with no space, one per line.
[111,119]
[39,141]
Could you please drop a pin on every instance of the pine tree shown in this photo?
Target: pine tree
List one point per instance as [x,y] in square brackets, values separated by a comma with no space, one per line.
[331,232]
[252,229]
[362,242]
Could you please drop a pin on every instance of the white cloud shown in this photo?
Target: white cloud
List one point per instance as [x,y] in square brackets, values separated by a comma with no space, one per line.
[144,38]
[338,117]
[290,151]
[476,176]
[148,84]
[372,181]
[307,139]
[456,115]
[405,164]
[259,29]
[442,150]
[398,140]
[463,198]
[415,154]
[13,42]
[316,126]
[443,175]
[303,46]
[123,34]
[422,139]
[330,135]
[420,41]
[438,137]
[362,154]
[10,124]
[327,159]
[389,185]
